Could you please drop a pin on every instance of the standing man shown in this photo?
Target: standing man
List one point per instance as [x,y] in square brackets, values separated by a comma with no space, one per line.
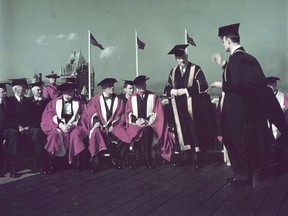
[192,109]
[245,107]
[22,137]
[50,91]
[104,113]
[60,120]
[147,125]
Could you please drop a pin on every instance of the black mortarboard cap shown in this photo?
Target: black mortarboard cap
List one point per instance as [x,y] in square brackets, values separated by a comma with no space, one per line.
[52,75]
[72,80]
[272,79]
[178,50]
[107,80]
[140,79]
[40,84]
[67,86]
[229,30]
[128,82]
[21,81]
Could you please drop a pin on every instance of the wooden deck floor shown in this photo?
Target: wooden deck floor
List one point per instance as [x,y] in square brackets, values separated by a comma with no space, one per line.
[165,190]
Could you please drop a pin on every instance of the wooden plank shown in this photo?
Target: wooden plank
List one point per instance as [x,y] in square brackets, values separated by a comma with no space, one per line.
[173,191]
[196,185]
[251,205]
[122,193]
[273,202]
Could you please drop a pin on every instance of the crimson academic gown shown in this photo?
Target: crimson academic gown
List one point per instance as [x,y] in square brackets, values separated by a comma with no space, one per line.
[163,139]
[96,112]
[59,142]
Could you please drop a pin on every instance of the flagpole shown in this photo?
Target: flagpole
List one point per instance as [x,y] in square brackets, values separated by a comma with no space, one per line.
[185,40]
[89,65]
[136,49]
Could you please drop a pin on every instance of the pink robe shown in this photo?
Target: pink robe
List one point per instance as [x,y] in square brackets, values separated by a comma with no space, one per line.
[97,135]
[59,142]
[163,139]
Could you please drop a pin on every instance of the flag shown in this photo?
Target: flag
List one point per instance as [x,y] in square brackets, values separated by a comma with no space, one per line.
[95,42]
[190,40]
[140,44]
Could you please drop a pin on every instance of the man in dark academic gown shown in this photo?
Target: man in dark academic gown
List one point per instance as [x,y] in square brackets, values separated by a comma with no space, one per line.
[22,137]
[50,91]
[60,121]
[104,113]
[147,125]
[192,109]
[38,100]
[246,105]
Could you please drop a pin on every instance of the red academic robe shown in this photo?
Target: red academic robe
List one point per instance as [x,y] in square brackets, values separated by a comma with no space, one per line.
[59,142]
[163,139]
[97,135]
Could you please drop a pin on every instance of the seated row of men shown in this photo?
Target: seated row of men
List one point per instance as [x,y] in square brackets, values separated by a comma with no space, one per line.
[66,125]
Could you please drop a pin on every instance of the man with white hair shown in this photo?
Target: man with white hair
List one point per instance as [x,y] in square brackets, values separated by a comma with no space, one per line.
[22,137]
[38,100]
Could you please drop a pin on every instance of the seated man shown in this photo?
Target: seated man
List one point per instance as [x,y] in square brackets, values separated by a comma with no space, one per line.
[4,119]
[147,125]
[22,137]
[59,120]
[104,112]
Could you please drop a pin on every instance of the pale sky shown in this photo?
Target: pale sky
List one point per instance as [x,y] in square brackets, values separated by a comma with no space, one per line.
[39,35]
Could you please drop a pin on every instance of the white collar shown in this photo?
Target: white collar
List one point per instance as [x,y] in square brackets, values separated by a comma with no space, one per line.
[18,98]
[235,48]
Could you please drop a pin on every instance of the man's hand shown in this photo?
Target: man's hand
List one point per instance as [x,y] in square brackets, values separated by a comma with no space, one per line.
[181,91]
[174,93]
[216,84]
[21,129]
[64,127]
[217,58]
[141,122]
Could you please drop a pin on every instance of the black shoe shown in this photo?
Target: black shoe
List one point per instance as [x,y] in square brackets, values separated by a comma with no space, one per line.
[151,164]
[95,168]
[45,171]
[14,174]
[134,164]
[236,182]
[116,164]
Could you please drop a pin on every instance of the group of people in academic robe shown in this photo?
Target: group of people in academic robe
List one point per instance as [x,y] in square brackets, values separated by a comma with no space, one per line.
[137,122]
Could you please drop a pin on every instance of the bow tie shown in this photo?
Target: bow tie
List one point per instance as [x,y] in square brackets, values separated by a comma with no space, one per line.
[108,98]
[67,102]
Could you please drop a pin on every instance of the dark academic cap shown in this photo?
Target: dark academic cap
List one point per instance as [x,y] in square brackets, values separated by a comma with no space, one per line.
[229,30]
[3,85]
[272,79]
[67,86]
[72,80]
[39,84]
[178,50]
[52,75]
[107,80]
[128,82]
[140,79]
[21,81]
